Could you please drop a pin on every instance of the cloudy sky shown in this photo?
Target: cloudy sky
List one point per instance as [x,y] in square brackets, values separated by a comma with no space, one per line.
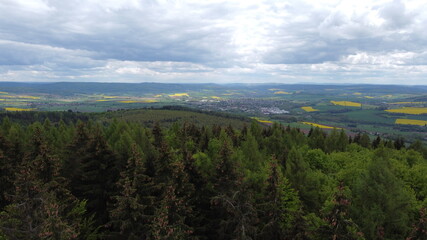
[220,41]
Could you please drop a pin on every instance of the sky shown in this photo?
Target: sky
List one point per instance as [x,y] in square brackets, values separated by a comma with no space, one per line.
[215,41]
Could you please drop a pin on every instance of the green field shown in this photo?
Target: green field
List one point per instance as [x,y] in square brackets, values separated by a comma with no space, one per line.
[271,102]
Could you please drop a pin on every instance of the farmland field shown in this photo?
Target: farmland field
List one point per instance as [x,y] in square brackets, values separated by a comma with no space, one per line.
[374,109]
[408,110]
[411,122]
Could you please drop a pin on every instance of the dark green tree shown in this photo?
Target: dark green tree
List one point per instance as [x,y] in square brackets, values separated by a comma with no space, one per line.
[41,207]
[340,225]
[279,206]
[382,206]
[131,215]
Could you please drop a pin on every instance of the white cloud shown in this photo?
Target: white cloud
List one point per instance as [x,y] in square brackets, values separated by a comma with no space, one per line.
[211,41]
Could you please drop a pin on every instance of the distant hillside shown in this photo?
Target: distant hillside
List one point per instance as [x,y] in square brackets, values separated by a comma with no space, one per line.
[166,116]
[68,88]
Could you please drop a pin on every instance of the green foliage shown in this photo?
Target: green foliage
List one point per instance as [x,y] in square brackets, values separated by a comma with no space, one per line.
[279,206]
[383,207]
[61,180]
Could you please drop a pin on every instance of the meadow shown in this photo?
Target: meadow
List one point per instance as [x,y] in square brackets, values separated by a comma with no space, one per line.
[372,109]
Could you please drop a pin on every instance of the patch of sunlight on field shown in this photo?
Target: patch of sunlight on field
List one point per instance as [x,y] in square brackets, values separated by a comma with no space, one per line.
[179,95]
[138,101]
[2,99]
[102,100]
[158,95]
[397,103]
[370,97]
[23,97]
[215,97]
[320,125]
[111,97]
[357,93]
[4,93]
[274,89]
[282,92]
[19,109]
[309,109]
[408,110]
[346,103]
[387,96]
[411,122]
[262,120]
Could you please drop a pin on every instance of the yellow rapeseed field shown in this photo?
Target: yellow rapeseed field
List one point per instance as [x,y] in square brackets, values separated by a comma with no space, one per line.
[23,97]
[370,97]
[158,95]
[346,103]
[319,125]
[138,101]
[19,109]
[262,121]
[282,92]
[411,122]
[309,109]
[357,93]
[179,95]
[215,97]
[408,110]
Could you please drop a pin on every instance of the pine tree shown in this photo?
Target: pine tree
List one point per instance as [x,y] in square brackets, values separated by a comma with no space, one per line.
[376,143]
[131,215]
[7,170]
[419,230]
[279,206]
[317,139]
[41,207]
[365,141]
[172,217]
[158,135]
[382,206]
[235,214]
[340,225]
[98,175]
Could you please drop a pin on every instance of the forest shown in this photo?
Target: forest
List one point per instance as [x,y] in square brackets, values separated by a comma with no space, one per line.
[83,179]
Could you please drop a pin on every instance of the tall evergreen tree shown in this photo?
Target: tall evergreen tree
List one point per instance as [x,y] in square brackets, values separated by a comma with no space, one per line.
[279,206]
[419,230]
[232,203]
[382,205]
[340,225]
[7,170]
[172,217]
[131,215]
[41,207]
[98,174]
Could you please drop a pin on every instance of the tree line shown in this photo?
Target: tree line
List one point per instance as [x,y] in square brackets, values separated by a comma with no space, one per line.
[85,180]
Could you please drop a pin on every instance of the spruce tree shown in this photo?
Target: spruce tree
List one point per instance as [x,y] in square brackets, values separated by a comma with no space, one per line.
[41,207]
[339,223]
[172,217]
[419,230]
[97,175]
[279,206]
[131,215]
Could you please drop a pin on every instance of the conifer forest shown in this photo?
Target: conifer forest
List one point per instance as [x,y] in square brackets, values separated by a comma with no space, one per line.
[83,179]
